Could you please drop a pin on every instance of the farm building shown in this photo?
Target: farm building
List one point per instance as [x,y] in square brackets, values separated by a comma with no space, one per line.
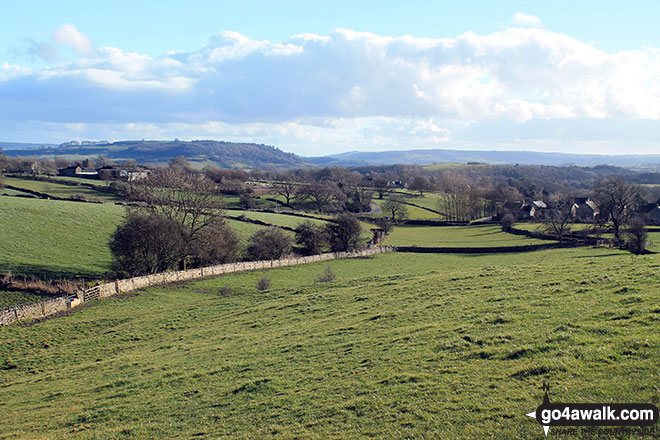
[530,209]
[584,209]
[78,171]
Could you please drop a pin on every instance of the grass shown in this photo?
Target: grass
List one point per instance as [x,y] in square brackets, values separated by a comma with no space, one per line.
[56,239]
[11,297]
[456,236]
[398,346]
[414,213]
[276,219]
[60,190]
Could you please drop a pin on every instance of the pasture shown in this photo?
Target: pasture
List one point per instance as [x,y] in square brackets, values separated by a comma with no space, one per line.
[56,239]
[398,346]
[456,236]
[61,190]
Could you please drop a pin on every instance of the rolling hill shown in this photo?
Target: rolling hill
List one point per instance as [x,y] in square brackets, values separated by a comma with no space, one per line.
[200,152]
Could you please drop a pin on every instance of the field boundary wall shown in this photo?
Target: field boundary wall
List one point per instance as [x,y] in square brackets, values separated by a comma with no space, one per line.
[20,312]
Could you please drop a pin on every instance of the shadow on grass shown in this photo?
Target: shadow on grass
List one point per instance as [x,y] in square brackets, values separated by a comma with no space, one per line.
[45,272]
[597,256]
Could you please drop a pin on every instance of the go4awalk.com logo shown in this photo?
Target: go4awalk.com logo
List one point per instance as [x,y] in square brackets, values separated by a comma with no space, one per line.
[637,415]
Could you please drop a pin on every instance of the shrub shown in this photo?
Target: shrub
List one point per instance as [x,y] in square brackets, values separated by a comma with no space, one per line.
[225,290]
[507,222]
[146,244]
[344,233]
[635,236]
[247,201]
[311,238]
[263,284]
[269,244]
[215,244]
[328,276]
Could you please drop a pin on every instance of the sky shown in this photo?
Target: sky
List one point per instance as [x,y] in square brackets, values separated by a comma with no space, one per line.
[318,78]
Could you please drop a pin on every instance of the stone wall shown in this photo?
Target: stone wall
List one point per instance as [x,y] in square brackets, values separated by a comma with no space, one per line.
[21,312]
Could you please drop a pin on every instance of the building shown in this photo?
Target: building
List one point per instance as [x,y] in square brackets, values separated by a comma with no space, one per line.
[78,171]
[584,209]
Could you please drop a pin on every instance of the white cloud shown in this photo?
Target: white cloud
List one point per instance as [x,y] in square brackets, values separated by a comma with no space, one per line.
[521,19]
[69,35]
[348,89]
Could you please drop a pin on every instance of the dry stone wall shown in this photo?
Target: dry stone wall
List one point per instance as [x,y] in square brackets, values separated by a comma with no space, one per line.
[21,312]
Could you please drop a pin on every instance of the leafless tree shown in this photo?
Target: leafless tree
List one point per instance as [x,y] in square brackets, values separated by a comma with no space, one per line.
[321,195]
[183,196]
[618,200]
[558,216]
[395,208]
[286,186]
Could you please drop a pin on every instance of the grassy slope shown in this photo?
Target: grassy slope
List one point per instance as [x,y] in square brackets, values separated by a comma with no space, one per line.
[399,346]
[456,236]
[60,190]
[53,239]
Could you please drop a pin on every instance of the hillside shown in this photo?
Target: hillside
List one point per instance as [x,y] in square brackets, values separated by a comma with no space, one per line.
[202,152]
[381,352]
[420,157]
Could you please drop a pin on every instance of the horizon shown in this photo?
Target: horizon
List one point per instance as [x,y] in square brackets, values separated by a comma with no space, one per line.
[322,80]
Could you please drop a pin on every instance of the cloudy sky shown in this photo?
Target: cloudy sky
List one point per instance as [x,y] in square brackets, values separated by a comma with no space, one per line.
[316,78]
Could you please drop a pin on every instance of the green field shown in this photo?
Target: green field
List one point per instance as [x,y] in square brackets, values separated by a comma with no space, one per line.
[60,190]
[456,236]
[398,346]
[289,221]
[56,239]
[414,213]
[11,297]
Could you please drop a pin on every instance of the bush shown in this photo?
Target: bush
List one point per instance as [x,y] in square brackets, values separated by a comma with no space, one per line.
[269,244]
[225,290]
[263,284]
[215,244]
[311,238]
[344,233]
[146,244]
[507,222]
[247,201]
[327,276]
[635,236]
[385,224]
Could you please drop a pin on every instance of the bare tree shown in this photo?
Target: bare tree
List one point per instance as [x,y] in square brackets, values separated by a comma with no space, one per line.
[381,184]
[183,196]
[395,208]
[420,184]
[321,194]
[618,200]
[558,216]
[286,186]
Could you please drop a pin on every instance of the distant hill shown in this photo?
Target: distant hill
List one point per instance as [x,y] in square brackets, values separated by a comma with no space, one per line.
[23,146]
[202,152]
[420,157]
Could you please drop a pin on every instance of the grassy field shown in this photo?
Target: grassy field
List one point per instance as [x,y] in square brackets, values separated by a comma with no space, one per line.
[60,190]
[11,297]
[290,221]
[398,346]
[56,239]
[456,236]
[414,213]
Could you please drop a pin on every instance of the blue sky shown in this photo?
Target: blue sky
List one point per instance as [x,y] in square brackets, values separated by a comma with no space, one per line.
[321,77]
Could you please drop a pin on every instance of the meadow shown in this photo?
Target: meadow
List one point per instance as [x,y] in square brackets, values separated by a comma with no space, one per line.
[56,239]
[456,236]
[61,190]
[398,346]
